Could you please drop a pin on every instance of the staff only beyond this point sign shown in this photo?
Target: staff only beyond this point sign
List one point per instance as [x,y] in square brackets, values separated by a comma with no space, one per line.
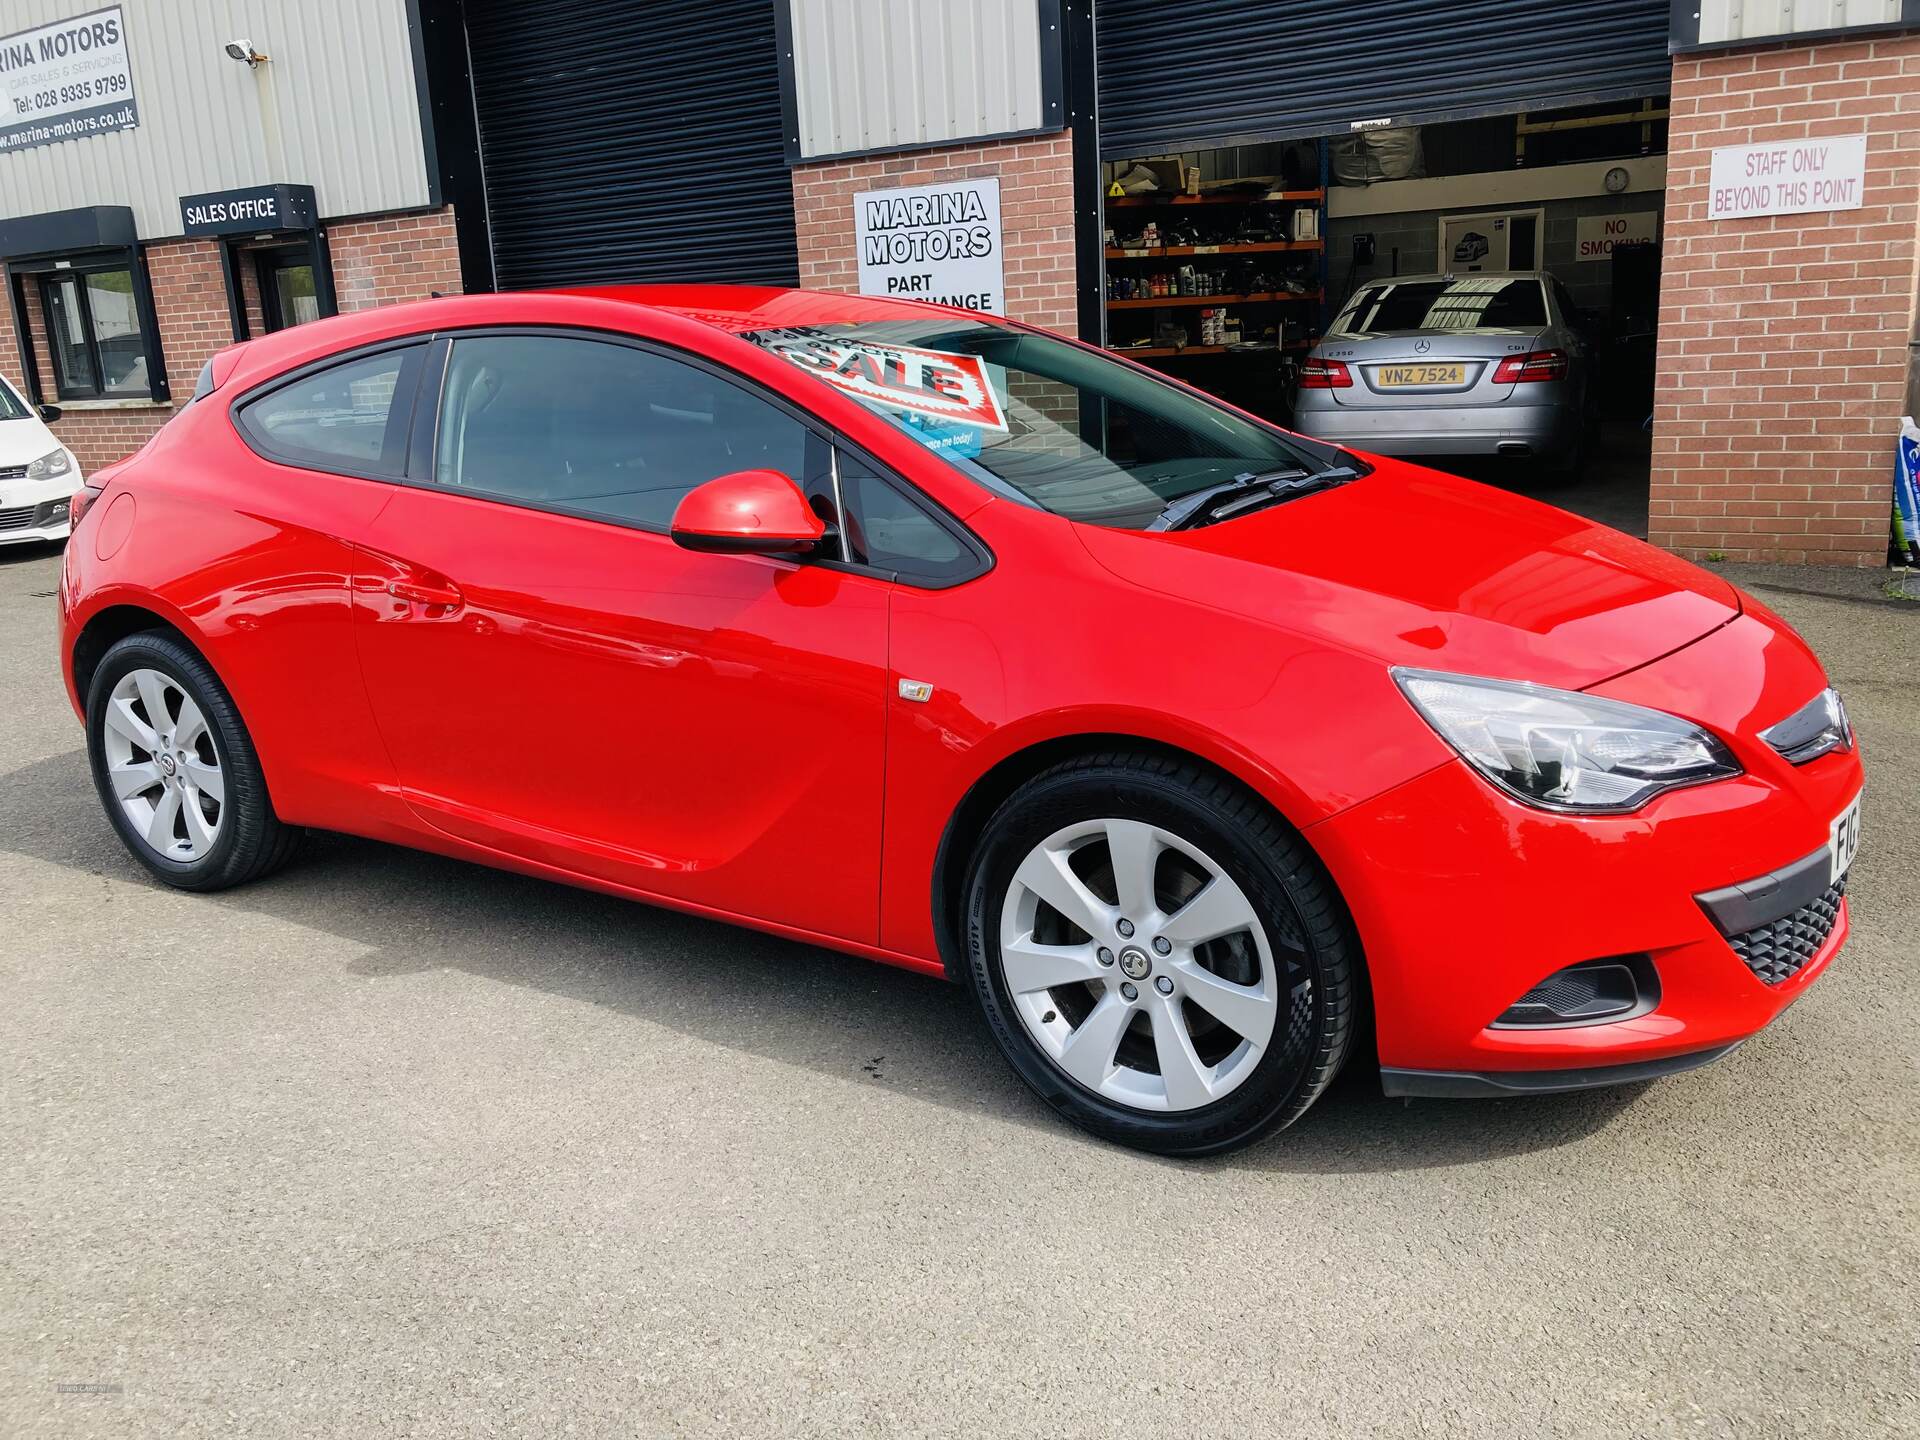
[1788,177]
[933,242]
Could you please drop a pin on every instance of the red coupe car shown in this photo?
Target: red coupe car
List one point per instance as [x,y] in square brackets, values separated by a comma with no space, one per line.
[1206,754]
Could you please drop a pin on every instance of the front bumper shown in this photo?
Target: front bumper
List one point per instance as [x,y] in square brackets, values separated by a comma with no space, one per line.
[1466,899]
[1440,430]
[36,522]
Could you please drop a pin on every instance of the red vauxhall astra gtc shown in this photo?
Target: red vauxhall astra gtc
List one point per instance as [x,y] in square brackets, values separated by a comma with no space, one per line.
[1191,745]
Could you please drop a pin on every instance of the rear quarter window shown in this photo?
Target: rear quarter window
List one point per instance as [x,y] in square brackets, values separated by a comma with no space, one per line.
[350,416]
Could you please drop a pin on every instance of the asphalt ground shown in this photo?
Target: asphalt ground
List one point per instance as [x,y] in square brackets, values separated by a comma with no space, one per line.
[390,1144]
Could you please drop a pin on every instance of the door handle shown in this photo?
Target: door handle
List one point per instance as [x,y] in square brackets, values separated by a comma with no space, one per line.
[444,596]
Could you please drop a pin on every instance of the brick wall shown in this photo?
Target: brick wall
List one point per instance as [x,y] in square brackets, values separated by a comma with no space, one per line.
[375,262]
[189,301]
[1036,216]
[1783,340]
[407,257]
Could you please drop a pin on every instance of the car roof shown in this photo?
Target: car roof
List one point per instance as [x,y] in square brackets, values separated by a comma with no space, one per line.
[720,310]
[740,308]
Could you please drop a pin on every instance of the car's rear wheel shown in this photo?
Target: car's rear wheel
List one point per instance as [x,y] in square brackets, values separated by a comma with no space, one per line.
[1162,959]
[176,769]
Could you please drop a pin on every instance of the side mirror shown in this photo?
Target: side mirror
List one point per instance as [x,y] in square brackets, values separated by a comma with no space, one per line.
[750,512]
[49,413]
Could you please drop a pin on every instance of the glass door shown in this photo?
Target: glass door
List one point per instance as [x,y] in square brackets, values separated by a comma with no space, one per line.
[287,292]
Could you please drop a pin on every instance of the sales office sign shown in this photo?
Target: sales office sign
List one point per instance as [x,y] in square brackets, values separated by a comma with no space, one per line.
[248,210]
[933,242]
[65,81]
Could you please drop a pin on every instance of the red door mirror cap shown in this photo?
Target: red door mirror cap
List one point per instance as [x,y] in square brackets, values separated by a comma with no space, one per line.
[750,512]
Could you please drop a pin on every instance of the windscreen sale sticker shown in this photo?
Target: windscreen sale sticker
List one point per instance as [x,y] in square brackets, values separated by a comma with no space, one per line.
[938,384]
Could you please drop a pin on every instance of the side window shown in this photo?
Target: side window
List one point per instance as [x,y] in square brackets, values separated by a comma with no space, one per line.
[599,429]
[889,531]
[351,416]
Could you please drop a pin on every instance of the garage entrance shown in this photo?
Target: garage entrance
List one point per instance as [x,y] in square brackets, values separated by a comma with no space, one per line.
[623,142]
[1244,223]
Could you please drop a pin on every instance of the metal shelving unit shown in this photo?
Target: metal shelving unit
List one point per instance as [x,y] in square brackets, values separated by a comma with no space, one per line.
[1138,209]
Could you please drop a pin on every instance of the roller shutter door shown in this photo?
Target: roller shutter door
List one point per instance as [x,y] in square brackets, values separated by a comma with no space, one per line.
[632,142]
[1216,72]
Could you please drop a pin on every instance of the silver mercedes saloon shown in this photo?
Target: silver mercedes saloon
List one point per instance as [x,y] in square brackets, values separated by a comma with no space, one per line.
[1450,365]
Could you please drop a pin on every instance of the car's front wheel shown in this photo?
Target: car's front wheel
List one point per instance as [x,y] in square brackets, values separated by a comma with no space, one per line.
[176,769]
[1159,955]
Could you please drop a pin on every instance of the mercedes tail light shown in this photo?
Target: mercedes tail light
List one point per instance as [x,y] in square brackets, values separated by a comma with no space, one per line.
[1316,374]
[1535,365]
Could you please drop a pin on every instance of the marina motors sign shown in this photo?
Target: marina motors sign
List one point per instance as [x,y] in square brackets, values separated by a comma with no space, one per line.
[1788,177]
[933,242]
[65,81]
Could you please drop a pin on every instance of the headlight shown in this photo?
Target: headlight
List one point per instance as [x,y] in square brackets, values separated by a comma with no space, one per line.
[1811,731]
[48,466]
[1564,751]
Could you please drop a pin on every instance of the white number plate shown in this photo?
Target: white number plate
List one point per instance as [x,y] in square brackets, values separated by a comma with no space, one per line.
[1843,841]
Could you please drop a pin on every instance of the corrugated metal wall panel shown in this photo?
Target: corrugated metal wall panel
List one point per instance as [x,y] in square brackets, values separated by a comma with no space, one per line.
[336,107]
[1724,21]
[1213,72]
[873,76]
[627,142]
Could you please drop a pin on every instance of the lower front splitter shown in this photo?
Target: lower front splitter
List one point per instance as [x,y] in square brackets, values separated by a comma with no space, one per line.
[1491,1084]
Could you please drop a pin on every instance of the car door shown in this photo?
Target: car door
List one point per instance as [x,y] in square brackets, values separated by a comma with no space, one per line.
[556,679]
[271,575]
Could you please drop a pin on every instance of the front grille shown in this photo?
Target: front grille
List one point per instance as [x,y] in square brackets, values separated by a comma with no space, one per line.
[13,472]
[1776,951]
[19,519]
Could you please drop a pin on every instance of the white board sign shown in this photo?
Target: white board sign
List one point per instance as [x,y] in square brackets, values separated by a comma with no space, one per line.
[1788,177]
[933,242]
[1594,236]
[65,81]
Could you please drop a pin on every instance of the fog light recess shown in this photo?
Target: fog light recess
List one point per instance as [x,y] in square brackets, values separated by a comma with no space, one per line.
[1594,992]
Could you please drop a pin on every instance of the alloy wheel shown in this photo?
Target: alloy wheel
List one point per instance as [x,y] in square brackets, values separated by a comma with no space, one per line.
[163,765]
[1141,969]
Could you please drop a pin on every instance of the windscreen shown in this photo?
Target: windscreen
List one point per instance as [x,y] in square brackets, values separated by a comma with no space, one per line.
[1056,425]
[10,406]
[1468,303]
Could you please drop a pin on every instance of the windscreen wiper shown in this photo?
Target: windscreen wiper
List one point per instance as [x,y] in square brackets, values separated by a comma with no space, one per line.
[1248,491]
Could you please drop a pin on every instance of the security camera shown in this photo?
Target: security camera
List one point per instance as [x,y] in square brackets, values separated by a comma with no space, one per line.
[243,50]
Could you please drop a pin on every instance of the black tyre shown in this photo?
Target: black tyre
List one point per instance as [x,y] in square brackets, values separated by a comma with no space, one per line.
[175,769]
[1160,956]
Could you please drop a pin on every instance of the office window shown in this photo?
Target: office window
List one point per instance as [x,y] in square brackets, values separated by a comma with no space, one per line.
[93,334]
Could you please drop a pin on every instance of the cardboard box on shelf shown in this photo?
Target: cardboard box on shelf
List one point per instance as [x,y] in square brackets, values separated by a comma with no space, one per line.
[1167,177]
